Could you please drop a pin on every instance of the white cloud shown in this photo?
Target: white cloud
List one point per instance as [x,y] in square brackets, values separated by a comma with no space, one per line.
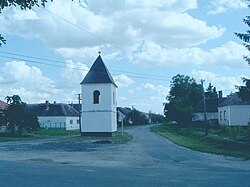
[111,24]
[122,98]
[16,77]
[228,55]
[225,83]
[73,74]
[18,73]
[158,89]
[131,91]
[123,81]
[221,6]
[24,15]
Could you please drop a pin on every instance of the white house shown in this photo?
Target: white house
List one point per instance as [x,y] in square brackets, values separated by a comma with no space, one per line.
[233,111]
[56,115]
[98,101]
[211,110]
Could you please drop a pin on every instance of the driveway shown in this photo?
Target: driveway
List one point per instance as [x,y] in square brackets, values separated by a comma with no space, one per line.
[148,160]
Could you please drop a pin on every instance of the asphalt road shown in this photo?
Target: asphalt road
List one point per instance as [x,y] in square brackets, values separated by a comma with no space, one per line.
[148,160]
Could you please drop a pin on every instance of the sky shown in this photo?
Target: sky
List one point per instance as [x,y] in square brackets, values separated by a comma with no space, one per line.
[143,44]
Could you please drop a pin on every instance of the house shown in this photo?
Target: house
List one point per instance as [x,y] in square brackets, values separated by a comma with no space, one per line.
[99,117]
[3,106]
[211,109]
[122,113]
[233,111]
[56,115]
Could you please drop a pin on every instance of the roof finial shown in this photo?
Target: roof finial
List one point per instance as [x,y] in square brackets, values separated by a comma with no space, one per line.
[99,52]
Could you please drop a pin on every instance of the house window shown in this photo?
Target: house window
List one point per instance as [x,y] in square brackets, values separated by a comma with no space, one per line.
[113,98]
[71,121]
[77,121]
[220,115]
[225,113]
[96,97]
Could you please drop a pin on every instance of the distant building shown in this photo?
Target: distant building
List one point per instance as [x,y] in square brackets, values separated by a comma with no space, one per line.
[99,101]
[211,109]
[55,115]
[233,111]
[123,113]
[3,105]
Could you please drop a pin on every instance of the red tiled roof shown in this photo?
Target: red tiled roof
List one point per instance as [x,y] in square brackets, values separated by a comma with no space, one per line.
[3,105]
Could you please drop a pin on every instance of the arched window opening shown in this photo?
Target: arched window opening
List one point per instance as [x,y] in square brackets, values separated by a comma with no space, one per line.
[96,97]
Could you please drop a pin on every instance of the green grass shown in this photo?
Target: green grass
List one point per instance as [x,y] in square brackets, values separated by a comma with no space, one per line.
[49,133]
[39,134]
[117,138]
[216,142]
[44,133]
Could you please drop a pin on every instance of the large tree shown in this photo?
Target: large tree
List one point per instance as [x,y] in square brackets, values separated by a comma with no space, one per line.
[18,117]
[244,91]
[23,4]
[184,95]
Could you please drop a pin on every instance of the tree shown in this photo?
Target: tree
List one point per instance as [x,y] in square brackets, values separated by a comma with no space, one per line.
[137,117]
[244,91]
[184,95]
[23,4]
[211,92]
[18,117]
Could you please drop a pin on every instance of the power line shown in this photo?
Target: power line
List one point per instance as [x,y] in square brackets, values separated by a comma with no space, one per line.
[134,75]
[62,62]
[83,29]
[38,58]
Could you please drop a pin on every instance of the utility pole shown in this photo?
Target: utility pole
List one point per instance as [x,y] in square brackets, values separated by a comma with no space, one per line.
[133,114]
[80,111]
[204,108]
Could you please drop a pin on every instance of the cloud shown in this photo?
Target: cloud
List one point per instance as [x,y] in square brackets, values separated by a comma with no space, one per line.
[222,6]
[228,55]
[111,25]
[122,98]
[73,74]
[18,73]
[123,81]
[158,89]
[225,83]
[16,77]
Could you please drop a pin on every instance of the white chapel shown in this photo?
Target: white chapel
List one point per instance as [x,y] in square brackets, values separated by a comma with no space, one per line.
[98,101]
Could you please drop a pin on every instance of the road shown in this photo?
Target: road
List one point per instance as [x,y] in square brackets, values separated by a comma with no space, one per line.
[148,160]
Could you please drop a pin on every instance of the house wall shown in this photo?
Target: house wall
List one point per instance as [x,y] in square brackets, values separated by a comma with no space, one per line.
[234,115]
[99,117]
[58,122]
[223,115]
[200,116]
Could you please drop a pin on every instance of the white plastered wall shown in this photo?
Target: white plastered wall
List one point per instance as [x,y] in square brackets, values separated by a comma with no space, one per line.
[99,117]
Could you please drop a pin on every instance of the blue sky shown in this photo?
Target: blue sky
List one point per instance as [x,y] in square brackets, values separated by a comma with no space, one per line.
[143,43]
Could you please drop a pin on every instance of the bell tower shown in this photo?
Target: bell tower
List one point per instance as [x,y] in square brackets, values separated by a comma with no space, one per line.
[98,101]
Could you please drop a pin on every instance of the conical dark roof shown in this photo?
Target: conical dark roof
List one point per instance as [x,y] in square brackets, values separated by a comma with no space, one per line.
[98,73]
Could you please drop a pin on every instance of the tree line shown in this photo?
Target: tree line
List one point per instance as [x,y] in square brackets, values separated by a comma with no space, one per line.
[185,93]
[17,118]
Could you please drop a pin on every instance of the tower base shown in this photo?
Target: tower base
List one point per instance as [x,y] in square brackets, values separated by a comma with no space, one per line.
[97,134]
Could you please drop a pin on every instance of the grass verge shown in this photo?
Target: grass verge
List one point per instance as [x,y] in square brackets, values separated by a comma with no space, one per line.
[39,134]
[117,138]
[50,133]
[216,143]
